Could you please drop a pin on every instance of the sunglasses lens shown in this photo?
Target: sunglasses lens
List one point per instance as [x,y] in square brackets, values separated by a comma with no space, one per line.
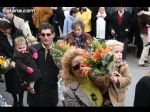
[42,34]
[45,34]
[48,34]
[76,67]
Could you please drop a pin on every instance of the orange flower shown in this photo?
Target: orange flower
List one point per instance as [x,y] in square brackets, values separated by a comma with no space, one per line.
[106,50]
[85,54]
[2,58]
[97,55]
[85,64]
[62,45]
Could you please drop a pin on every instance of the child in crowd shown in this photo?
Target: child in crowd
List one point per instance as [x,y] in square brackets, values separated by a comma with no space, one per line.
[26,67]
[114,85]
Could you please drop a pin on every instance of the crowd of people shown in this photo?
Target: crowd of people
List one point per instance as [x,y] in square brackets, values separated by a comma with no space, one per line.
[27,39]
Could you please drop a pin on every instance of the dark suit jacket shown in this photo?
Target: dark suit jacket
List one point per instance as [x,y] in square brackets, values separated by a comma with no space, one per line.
[46,88]
[120,29]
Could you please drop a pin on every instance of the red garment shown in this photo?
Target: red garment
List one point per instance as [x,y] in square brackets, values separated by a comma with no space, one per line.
[119,19]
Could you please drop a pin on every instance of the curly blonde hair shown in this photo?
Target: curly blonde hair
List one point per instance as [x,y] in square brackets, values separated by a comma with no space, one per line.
[112,43]
[66,64]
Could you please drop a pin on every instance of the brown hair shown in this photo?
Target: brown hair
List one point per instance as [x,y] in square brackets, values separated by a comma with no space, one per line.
[5,24]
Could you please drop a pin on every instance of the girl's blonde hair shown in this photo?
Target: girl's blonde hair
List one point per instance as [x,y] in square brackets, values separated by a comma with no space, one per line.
[112,43]
[20,41]
[66,64]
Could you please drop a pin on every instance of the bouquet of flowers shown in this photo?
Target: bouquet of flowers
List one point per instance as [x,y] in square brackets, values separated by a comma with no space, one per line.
[4,65]
[57,52]
[99,59]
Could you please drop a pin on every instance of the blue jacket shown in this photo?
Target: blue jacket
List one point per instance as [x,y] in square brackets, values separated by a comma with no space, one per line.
[1,15]
[67,25]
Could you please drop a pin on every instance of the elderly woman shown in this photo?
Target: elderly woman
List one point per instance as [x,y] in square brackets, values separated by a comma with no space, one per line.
[78,37]
[79,89]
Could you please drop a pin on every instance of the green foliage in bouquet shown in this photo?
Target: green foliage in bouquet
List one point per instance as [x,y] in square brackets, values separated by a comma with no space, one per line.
[99,59]
[57,52]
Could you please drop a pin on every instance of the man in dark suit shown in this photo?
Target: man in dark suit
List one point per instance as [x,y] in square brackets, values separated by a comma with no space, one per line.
[46,88]
[120,25]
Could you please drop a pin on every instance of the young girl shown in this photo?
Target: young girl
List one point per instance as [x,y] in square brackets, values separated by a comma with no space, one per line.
[26,66]
[115,84]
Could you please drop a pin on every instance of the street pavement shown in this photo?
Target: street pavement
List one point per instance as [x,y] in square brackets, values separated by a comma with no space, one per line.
[136,71]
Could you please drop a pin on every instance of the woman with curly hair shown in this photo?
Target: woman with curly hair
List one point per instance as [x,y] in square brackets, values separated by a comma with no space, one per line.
[79,90]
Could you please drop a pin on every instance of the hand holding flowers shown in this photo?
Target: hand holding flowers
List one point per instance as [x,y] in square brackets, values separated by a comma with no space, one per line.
[112,79]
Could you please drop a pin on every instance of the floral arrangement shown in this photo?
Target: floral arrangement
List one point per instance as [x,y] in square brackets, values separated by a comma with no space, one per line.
[4,65]
[99,59]
[57,52]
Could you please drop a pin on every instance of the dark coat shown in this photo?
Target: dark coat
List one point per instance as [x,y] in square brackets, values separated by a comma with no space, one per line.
[46,88]
[22,62]
[142,92]
[120,29]
[122,35]
[143,21]
[6,50]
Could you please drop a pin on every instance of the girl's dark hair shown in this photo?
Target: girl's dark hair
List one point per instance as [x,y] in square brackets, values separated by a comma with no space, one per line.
[46,26]
[5,24]
[73,11]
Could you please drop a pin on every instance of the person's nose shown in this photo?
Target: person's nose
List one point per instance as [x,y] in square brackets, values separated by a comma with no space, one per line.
[120,54]
[76,32]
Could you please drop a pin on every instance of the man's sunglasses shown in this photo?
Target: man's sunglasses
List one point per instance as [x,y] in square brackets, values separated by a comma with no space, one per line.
[76,67]
[45,34]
